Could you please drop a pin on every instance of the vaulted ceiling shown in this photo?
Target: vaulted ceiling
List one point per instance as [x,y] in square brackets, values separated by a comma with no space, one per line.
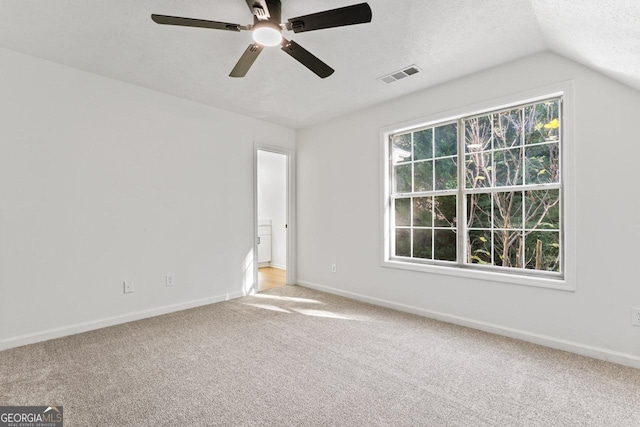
[445,38]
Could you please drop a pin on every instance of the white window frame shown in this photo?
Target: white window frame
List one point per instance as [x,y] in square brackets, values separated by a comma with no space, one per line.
[568,171]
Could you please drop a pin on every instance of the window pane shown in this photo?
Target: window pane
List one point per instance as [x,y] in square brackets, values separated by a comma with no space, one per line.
[423,179]
[507,129]
[403,212]
[422,244]
[542,163]
[444,245]
[446,140]
[477,134]
[542,251]
[507,250]
[402,178]
[446,174]
[423,144]
[542,209]
[445,211]
[478,171]
[479,247]
[479,210]
[401,148]
[508,164]
[542,122]
[422,211]
[507,210]
[403,242]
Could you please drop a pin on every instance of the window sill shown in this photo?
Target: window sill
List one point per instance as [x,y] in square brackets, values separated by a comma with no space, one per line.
[490,276]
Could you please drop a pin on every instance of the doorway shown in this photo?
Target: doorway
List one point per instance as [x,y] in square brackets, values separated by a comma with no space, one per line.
[273,214]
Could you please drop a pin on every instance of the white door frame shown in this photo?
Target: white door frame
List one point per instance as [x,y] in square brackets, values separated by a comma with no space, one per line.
[291,209]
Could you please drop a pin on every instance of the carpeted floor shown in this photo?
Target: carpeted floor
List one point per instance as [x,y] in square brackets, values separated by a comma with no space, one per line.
[297,357]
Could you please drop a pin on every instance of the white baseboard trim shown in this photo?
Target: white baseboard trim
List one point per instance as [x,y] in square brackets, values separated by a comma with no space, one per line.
[544,340]
[110,321]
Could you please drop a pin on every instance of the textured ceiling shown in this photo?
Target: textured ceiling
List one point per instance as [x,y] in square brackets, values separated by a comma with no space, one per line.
[445,38]
[602,34]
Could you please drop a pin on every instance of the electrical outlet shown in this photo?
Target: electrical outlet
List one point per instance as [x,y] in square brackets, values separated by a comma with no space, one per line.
[128,286]
[334,268]
[635,316]
[170,280]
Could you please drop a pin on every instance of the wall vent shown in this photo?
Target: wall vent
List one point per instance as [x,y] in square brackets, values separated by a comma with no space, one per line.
[401,74]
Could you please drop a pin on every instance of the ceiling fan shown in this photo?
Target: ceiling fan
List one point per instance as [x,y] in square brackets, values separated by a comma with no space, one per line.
[267,31]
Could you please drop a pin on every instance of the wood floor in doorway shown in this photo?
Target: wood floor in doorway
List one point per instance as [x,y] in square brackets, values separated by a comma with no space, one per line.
[269,277]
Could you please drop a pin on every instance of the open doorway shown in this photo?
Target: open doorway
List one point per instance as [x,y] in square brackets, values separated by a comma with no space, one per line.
[273,209]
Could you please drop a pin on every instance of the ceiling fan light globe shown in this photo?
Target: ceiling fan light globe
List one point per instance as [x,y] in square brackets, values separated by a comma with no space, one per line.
[267,35]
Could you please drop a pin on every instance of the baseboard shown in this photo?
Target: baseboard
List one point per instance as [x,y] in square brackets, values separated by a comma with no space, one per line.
[110,321]
[544,340]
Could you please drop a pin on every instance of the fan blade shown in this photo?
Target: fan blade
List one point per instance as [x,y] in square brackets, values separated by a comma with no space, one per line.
[259,8]
[200,23]
[349,15]
[246,60]
[307,59]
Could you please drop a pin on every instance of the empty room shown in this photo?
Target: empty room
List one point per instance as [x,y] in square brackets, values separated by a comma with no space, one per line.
[319,213]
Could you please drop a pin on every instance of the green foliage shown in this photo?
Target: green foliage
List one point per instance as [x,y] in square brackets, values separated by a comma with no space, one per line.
[445,247]
[444,211]
[422,242]
[446,140]
[403,242]
[423,144]
[423,211]
[403,212]
[446,174]
[423,176]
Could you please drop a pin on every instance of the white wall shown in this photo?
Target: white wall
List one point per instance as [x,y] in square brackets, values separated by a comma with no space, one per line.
[272,202]
[339,199]
[102,181]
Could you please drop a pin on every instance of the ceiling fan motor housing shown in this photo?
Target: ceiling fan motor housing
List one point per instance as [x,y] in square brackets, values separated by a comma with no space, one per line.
[274,14]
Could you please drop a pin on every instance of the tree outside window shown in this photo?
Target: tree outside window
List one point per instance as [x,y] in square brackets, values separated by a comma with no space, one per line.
[500,171]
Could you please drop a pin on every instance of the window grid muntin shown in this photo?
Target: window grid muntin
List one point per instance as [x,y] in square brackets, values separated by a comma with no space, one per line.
[462,191]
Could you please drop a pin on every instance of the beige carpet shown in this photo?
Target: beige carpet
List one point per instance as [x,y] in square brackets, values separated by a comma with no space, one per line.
[296,357]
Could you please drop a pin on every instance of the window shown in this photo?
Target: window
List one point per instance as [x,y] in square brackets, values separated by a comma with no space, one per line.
[500,171]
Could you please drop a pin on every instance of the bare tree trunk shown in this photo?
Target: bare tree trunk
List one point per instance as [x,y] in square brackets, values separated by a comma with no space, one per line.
[519,261]
[538,254]
[505,249]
